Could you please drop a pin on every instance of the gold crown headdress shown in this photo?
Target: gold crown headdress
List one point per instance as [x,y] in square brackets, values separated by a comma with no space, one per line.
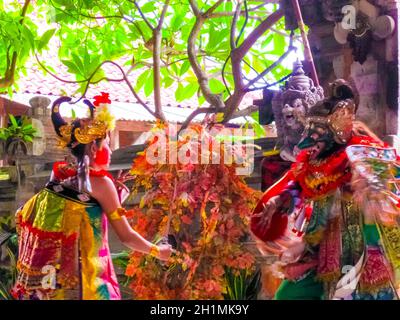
[96,127]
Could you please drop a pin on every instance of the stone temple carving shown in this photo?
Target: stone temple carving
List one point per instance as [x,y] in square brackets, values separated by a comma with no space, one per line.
[290,105]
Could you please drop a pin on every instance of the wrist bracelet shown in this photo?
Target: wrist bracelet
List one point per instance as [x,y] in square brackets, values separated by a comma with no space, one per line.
[117,214]
[154,251]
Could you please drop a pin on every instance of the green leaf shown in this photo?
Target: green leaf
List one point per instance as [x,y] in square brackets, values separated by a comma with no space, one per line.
[279,44]
[10,92]
[216,86]
[73,114]
[185,67]
[201,100]
[78,63]
[86,59]
[177,21]
[258,65]
[98,75]
[267,40]
[14,122]
[149,85]
[259,130]
[189,90]
[168,81]
[27,127]
[28,36]
[148,7]
[255,116]
[45,38]
[72,68]
[142,79]
[180,91]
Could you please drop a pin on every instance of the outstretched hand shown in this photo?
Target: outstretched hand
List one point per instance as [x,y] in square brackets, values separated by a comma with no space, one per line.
[165,252]
[268,211]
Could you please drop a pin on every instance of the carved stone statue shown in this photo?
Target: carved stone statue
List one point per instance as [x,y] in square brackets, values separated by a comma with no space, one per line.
[290,105]
[332,9]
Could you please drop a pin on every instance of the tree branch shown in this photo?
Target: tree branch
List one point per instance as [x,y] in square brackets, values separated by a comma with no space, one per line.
[124,78]
[233,25]
[241,51]
[194,7]
[245,112]
[223,75]
[270,85]
[9,75]
[230,14]
[196,113]
[237,56]
[212,8]
[157,38]
[202,78]
[267,70]
[252,68]
[164,11]
[244,24]
[105,17]
[54,75]
[142,15]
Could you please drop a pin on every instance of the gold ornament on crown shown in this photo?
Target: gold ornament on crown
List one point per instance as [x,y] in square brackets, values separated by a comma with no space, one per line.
[90,130]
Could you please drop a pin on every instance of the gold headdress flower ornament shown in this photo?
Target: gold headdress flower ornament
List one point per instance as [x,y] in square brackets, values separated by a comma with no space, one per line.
[84,131]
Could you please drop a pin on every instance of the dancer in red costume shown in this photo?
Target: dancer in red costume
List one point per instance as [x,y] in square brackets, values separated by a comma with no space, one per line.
[332,218]
[62,230]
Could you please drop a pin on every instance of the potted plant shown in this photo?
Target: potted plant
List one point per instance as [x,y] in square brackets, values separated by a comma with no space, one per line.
[14,141]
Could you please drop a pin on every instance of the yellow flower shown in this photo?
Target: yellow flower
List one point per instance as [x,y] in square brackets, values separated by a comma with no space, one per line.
[104,115]
[219,117]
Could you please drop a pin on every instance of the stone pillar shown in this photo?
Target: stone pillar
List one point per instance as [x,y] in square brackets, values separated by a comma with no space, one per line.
[114,139]
[366,79]
[39,114]
[47,148]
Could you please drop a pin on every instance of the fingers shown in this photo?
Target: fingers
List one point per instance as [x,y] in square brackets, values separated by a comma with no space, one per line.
[274,248]
[119,174]
[165,252]
[123,175]
[258,215]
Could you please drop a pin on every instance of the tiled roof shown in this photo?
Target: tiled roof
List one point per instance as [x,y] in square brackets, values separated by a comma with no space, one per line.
[35,82]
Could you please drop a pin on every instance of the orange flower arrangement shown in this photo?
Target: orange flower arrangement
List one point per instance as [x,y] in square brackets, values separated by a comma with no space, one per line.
[206,207]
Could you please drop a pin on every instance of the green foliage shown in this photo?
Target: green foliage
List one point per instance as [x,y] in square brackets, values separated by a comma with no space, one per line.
[242,285]
[17,38]
[45,38]
[92,31]
[8,271]
[121,260]
[22,130]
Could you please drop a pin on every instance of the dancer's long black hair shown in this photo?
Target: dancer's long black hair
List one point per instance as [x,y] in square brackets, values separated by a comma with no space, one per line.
[80,151]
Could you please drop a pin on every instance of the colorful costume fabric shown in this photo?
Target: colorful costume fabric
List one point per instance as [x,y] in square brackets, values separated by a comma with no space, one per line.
[63,248]
[351,236]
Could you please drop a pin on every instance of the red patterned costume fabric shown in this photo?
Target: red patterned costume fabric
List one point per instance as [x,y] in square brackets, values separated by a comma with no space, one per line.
[334,218]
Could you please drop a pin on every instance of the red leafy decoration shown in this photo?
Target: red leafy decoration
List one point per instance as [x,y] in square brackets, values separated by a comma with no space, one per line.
[207,207]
